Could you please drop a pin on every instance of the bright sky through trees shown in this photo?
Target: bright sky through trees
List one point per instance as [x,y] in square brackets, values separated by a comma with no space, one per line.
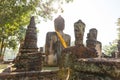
[99,14]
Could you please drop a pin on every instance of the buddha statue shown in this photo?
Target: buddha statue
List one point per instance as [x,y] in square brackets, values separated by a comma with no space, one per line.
[53,45]
[79,29]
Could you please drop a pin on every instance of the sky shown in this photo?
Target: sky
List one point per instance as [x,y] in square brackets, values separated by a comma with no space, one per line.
[99,14]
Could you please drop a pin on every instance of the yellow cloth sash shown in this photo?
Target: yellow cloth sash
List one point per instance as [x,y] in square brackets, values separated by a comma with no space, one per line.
[61,39]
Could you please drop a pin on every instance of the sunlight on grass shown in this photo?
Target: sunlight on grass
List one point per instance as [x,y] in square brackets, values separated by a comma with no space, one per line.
[50,68]
[3,66]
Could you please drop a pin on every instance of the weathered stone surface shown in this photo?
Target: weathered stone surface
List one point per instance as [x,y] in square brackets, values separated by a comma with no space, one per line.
[30,42]
[79,29]
[53,46]
[92,68]
[107,67]
[91,38]
[29,58]
[29,62]
[92,42]
[80,51]
[30,75]
[99,48]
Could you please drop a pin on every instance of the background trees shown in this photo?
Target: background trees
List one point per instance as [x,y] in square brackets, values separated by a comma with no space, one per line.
[15,15]
[118,23]
[112,47]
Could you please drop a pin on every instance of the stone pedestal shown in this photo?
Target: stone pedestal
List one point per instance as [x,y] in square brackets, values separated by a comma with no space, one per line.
[29,62]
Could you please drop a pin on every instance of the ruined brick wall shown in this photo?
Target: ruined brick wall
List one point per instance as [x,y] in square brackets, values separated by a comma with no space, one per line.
[93,68]
[30,75]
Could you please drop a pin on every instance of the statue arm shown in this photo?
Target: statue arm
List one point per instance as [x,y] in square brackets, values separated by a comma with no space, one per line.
[47,43]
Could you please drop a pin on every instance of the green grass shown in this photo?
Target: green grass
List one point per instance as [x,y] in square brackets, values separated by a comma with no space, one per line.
[50,68]
[3,66]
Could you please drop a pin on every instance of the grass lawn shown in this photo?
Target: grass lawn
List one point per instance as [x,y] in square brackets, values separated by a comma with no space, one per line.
[50,68]
[3,66]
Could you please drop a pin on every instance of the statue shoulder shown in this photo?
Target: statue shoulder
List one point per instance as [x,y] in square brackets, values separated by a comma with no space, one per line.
[51,33]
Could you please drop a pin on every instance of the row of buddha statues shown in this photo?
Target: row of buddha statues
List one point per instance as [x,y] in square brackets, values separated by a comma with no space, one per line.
[54,47]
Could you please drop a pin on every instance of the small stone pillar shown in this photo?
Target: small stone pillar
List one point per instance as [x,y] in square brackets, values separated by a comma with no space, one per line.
[92,42]
[79,29]
[91,38]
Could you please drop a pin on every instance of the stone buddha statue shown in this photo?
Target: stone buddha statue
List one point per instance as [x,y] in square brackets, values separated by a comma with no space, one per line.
[79,29]
[93,43]
[53,46]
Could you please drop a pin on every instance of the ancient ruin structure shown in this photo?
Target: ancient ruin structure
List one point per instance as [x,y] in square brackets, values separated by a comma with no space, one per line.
[79,29]
[79,50]
[30,42]
[91,38]
[99,48]
[29,58]
[78,62]
[93,68]
[92,42]
[84,63]
[53,46]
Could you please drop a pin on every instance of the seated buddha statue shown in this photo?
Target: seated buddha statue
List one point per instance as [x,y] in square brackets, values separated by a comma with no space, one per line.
[53,45]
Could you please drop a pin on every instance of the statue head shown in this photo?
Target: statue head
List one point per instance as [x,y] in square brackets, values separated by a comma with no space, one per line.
[92,35]
[59,23]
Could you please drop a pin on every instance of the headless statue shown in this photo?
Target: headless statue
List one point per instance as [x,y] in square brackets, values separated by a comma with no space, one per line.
[53,46]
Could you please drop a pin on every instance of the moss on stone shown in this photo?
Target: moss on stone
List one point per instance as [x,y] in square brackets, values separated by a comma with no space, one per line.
[92,69]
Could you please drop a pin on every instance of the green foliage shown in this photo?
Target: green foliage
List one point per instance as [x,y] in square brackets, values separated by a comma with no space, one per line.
[118,29]
[109,49]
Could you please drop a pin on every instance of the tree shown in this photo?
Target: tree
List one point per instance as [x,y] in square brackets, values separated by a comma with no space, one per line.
[118,29]
[15,15]
[111,48]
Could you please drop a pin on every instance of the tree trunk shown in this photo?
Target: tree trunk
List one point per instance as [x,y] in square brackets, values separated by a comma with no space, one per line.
[1,50]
